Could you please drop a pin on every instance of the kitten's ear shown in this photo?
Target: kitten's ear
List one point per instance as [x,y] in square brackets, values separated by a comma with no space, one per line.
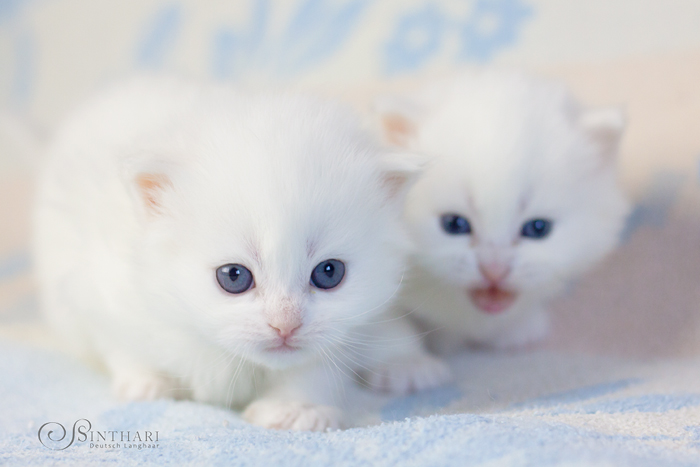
[150,188]
[605,127]
[399,171]
[149,183]
[399,119]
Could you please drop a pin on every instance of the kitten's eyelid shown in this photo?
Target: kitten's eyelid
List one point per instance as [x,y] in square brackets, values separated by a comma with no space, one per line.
[328,275]
[315,290]
[537,228]
[225,262]
[533,217]
[240,282]
[455,224]
[225,293]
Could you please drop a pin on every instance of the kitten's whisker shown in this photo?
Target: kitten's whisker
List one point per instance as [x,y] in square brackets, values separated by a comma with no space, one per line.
[339,383]
[234,379]
[358,364]
[359,354]
[326,370]
[336,359]
[377,341]
[396,290]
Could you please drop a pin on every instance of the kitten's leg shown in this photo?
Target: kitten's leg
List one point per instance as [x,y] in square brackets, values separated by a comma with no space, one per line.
[399,364]
[133,381]
[527,329]
[301,400]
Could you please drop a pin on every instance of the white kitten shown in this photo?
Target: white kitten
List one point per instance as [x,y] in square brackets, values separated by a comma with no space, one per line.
[521,198]
[229,246]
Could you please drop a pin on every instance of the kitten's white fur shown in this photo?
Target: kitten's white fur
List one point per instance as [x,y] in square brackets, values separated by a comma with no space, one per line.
[508,148]
[156,183]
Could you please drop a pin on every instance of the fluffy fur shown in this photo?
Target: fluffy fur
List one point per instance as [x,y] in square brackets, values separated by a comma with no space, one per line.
[507,148]
[152,186]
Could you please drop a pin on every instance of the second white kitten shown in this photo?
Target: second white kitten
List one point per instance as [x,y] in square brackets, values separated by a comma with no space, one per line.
[521,198]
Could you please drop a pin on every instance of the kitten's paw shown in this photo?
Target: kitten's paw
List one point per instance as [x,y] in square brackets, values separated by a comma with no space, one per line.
[524,334]
[286,415]
[141,386]
[409,373]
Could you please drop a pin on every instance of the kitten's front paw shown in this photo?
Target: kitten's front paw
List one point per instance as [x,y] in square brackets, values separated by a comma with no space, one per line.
[409,373]
[140,386]
[286,415]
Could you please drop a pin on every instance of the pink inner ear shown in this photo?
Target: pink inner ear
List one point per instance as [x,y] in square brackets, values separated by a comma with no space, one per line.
[150,186]
[395,183]
[398,129]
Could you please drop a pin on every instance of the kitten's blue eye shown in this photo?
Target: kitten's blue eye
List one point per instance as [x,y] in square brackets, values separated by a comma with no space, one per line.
[234,278]
[536,228]
[455,224]
[328,274]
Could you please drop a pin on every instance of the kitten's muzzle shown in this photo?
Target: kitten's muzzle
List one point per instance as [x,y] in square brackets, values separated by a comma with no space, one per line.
[286,341]
[492,299]
[284,319]
[495,272]
[285,329]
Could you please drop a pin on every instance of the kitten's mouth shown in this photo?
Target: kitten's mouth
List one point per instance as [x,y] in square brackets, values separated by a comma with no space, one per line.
[283,348]
[492,299]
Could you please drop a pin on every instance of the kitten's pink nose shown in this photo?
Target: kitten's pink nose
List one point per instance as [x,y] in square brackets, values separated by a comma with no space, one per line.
[285,329]
[494,272]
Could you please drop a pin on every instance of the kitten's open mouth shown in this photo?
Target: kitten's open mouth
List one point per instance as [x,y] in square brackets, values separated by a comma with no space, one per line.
[492,299]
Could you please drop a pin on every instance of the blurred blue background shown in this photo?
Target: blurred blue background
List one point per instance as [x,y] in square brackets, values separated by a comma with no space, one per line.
[52,52]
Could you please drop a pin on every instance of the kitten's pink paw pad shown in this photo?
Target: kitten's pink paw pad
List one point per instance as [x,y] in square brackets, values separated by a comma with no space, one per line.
[141,386]
[409,373]
[284,415]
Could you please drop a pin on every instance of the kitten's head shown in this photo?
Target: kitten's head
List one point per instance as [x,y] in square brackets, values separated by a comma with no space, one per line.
[271,224]
[522,193]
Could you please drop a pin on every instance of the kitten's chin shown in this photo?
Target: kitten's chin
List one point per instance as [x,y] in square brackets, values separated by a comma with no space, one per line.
[493,299]
[281,356]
